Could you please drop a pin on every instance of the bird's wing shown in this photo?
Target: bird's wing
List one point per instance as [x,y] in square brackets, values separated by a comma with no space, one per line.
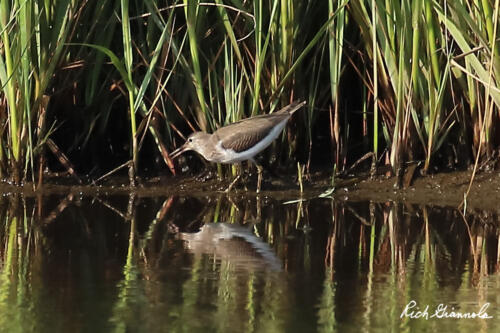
[245,133]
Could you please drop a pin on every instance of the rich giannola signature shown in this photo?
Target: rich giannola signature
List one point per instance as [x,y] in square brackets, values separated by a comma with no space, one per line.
[413,311]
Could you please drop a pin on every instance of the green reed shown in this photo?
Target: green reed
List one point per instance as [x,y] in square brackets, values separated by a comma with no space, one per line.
[426,67]
[128,60]
[419,97]
[32,43]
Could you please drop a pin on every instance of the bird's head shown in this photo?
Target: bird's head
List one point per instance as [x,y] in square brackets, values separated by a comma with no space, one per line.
[195,141]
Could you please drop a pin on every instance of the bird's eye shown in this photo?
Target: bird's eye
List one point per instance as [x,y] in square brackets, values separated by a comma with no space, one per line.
[190,140]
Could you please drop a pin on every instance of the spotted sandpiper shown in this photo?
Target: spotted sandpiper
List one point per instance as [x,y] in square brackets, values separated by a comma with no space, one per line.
[240,141]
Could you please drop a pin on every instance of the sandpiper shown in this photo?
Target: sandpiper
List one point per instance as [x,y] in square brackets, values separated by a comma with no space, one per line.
[240,141]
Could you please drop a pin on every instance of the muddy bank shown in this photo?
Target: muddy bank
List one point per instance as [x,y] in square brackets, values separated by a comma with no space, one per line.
[444,189]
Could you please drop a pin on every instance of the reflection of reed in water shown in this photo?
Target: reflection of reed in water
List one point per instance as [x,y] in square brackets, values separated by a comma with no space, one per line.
[234,243]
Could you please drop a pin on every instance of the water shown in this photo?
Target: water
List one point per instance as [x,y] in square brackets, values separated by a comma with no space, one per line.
[160,264]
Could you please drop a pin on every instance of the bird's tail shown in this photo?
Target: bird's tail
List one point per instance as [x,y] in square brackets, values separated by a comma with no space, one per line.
[291,108]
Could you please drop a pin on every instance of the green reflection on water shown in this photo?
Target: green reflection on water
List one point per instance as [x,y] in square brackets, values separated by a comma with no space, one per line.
[130,264]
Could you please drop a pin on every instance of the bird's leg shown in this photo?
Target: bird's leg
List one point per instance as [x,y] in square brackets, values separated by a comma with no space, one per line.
[260,169]
[259,174]
[232,184]
[235,179]
[244,175]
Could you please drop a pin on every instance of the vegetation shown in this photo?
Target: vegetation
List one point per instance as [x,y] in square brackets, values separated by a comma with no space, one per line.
[405,80]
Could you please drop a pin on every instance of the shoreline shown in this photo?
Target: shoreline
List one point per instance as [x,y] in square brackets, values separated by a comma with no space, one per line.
[442,189]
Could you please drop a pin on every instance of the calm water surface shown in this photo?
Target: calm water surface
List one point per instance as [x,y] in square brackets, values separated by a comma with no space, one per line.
[243,264]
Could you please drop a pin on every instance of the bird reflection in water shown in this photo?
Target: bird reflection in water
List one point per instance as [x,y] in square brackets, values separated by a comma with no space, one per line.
[233,243]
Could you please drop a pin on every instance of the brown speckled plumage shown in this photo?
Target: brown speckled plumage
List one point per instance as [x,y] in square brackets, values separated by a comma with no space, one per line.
[243,134]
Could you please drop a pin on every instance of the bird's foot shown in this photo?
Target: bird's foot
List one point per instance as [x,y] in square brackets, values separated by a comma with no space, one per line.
[206,176]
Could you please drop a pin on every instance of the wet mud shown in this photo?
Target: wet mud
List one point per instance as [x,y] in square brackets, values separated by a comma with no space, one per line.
[443,189]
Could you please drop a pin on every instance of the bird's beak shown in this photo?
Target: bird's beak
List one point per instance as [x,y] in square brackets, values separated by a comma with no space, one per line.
[179,151]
